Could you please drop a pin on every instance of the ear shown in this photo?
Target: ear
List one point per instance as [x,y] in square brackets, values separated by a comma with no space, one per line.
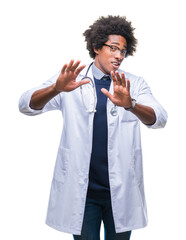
[96,51]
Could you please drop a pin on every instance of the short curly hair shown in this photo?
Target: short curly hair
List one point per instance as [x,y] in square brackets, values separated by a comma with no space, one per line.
[98,33]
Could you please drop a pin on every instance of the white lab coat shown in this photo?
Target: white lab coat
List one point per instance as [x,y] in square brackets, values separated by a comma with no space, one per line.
[70,180]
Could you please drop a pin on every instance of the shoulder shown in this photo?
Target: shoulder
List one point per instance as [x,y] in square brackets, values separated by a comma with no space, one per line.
[134,79]
[129,75]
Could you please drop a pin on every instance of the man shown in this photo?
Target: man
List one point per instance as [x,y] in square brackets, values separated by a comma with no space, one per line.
[98,173]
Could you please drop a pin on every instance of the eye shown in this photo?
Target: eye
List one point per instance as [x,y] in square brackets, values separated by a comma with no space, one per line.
[123,51]
[113,48]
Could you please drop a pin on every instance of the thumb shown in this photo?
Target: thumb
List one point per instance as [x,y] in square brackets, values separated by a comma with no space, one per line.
[106,92]
[85,81]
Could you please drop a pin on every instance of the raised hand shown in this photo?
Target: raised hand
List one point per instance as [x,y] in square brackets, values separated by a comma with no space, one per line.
[121,96]
[67,79]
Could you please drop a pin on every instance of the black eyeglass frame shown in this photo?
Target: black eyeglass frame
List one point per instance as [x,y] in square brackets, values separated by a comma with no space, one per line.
[114,48]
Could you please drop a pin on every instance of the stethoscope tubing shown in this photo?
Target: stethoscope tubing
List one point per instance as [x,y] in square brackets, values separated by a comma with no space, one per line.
[113,110]
[93,84]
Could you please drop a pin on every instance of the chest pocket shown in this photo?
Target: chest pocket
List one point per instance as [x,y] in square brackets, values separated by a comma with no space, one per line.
[127,116]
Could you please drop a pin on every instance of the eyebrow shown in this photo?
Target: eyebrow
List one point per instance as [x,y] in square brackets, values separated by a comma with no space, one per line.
[118,44]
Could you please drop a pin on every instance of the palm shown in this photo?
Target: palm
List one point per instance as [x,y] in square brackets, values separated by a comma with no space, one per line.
[121,96]
[67,79]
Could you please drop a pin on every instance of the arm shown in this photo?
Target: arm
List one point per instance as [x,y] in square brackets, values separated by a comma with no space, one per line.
[66,82]
[122,98]
[145,114]
[40,97]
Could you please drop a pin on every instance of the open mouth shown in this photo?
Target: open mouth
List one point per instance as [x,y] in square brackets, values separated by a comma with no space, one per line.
[116,65]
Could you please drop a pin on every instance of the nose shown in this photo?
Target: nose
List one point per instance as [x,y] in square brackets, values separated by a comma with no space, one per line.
[118,55]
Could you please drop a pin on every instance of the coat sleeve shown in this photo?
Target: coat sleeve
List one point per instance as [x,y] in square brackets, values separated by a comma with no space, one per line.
[53,104]
[145,97]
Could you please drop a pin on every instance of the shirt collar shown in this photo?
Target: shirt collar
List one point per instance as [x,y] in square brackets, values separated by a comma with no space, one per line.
[97,73]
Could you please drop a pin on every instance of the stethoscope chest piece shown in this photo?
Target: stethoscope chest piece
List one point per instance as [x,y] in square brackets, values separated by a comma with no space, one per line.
[113,111]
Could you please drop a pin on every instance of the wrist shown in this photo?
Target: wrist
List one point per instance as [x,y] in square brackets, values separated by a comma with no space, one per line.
[133,103]
[56,91]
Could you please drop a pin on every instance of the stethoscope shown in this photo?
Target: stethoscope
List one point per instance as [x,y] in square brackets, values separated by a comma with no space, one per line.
[113,110]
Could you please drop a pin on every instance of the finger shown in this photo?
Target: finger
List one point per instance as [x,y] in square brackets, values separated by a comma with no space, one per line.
[123,82]
[128,85]
[118,78]
[107,93]
[79,69]
[73,68]
[69,66]
[84,81]
[63,69]
[113,78]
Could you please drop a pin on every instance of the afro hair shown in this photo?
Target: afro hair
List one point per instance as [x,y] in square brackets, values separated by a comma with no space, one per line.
[98,33]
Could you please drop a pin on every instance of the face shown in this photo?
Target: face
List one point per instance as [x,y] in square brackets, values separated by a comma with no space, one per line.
[107,60]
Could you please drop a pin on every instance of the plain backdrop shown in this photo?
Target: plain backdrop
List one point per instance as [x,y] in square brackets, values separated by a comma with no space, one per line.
[37,38]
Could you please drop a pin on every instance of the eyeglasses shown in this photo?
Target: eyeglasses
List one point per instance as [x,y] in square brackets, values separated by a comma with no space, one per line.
[113,49]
